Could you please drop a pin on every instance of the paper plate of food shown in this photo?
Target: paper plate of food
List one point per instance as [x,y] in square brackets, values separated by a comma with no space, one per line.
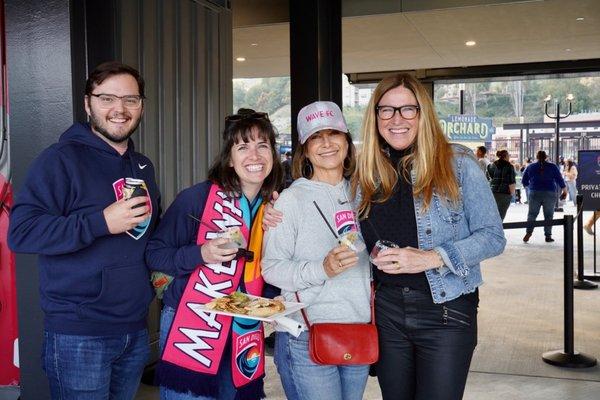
[243,305]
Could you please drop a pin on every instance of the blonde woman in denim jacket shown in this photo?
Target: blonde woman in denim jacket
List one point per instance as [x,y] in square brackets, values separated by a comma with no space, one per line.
[432,200]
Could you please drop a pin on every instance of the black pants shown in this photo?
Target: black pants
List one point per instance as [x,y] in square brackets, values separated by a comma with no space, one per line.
[425,348]
[503,202]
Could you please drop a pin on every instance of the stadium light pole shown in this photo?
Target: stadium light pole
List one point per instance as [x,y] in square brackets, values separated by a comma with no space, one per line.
[557,117]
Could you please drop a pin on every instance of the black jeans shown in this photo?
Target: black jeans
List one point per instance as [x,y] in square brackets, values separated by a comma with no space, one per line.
[425,349]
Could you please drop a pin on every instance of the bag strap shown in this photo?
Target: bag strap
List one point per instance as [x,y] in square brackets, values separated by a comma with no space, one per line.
[302,311]
[372,307]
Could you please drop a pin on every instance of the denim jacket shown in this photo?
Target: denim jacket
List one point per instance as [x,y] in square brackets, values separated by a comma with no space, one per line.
[464,234]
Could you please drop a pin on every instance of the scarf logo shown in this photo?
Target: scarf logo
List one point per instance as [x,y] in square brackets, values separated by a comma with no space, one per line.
[248,360]
[142,227]
[247,347]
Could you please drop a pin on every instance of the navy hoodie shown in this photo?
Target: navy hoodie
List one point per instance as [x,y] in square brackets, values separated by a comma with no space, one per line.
[542,177]
[91,282]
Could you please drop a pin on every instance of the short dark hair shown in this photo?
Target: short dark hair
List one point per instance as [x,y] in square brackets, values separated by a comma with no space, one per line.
[502,153]
[541,155]
[302,167]
[240,129]
[109,69]
[482,149]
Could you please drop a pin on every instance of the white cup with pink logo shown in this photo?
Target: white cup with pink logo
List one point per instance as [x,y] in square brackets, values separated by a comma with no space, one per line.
[354,241]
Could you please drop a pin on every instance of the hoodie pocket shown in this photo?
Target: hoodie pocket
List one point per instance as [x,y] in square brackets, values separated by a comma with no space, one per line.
[125,295]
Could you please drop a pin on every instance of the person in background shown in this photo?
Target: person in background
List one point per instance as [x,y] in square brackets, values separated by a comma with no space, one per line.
[589,224]
[303,258]
[570,176]
[525,165]
[542,178]
[561,163]
[430,198]
[482,160]
[188,246]
[74,211]
[287,169]
[519,185]
[502,181]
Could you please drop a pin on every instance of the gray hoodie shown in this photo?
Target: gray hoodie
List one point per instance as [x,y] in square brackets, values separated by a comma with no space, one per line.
[294,252]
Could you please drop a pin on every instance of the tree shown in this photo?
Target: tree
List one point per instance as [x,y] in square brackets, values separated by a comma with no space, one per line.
[269,95]
[354,118]
[239,96]
[515,89]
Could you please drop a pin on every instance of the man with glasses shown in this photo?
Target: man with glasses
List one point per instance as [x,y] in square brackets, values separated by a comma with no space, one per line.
[87,208]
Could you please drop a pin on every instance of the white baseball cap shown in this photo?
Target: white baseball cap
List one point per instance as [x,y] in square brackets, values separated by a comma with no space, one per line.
[318,116]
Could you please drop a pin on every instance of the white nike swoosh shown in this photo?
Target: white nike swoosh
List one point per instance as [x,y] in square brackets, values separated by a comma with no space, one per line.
[142,166]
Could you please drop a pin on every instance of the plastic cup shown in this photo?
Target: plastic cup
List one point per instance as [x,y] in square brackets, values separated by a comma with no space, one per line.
[354,241]
[234,234]
[379,247]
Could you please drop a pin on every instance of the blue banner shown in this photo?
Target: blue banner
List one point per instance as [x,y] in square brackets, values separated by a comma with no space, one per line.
[467,128]
[588,178]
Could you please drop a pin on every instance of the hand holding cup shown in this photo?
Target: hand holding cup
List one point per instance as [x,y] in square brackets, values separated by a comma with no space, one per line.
[338,260]
[126,214]
[215,251]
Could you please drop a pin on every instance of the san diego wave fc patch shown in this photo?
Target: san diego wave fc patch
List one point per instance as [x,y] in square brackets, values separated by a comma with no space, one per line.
[248,346]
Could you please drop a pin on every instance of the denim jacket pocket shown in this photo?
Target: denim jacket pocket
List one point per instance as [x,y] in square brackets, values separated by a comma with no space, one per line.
[125,295]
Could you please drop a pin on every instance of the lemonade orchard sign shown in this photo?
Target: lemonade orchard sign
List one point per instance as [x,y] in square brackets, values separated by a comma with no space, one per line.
[467,128]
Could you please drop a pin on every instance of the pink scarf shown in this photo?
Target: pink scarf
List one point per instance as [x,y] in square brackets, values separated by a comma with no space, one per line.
[197,340]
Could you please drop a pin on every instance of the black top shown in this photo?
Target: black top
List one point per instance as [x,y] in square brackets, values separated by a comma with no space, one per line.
[395,220]
[502,174]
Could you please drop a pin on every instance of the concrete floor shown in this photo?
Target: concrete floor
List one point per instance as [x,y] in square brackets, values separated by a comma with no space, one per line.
[520,318]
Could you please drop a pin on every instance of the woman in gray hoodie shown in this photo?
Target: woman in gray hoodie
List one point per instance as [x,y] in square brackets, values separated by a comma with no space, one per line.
[301,256]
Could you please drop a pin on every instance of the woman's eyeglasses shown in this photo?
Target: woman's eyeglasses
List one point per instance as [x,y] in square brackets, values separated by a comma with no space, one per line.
[406,112]
[253,115]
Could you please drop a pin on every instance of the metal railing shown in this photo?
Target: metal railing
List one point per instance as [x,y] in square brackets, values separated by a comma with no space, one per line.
[566,357]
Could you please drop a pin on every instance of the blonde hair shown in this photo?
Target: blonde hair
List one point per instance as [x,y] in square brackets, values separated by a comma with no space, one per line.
[430,155]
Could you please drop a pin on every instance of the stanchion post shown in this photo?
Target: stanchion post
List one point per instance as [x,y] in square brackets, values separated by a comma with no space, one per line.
[569,321]
[580,282]
[568,357]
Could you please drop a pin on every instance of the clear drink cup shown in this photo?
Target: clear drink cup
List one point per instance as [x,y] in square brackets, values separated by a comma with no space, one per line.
[354,241]
[234,234]
[379,247]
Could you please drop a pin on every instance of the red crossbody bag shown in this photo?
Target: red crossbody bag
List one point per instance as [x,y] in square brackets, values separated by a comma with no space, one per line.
[343,344]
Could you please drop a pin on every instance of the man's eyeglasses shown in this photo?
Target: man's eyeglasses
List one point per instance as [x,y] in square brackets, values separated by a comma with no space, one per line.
[110,100]
[406,112]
